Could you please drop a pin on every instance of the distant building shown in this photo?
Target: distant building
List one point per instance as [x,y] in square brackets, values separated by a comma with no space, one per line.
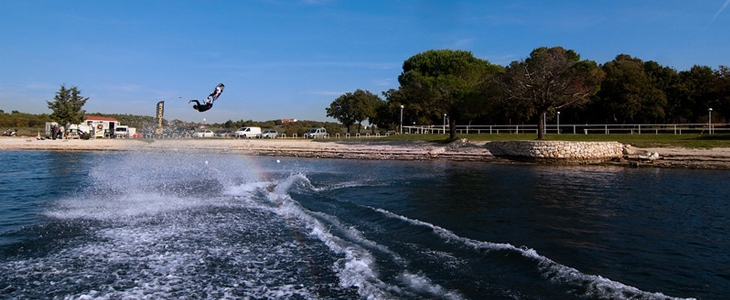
[96,126]
[288,120]
[100,126]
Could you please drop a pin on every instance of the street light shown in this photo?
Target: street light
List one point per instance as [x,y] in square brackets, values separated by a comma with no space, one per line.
[558,128]
[401,119]
[444,123]
[709,119]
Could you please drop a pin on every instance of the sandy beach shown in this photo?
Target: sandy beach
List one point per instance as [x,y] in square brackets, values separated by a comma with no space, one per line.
[716,158]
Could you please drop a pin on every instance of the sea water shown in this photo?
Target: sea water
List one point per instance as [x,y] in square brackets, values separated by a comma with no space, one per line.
[116,225]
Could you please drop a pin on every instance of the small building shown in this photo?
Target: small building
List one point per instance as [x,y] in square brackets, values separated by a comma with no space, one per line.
[96,126]
[99,126]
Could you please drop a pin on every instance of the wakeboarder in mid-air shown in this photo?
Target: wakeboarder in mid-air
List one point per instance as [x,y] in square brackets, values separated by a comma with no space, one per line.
[208,102]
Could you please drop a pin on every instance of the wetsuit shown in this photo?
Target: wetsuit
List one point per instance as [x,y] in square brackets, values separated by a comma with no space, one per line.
[208,103]
[201,107]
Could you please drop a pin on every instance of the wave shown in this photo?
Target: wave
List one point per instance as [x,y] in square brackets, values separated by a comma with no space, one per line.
[594,285]
[356,267]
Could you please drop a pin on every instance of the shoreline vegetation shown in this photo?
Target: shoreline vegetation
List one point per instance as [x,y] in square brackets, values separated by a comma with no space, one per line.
[373,149]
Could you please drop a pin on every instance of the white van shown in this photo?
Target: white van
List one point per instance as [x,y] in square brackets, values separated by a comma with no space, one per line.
[247,132]
[316,133]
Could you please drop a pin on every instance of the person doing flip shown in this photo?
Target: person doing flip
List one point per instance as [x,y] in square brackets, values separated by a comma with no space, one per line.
[208,102]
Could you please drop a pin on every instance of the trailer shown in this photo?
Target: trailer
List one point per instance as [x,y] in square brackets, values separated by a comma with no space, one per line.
[95,127]
[123,131]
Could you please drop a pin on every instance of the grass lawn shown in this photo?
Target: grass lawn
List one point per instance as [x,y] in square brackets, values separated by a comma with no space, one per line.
[637,140]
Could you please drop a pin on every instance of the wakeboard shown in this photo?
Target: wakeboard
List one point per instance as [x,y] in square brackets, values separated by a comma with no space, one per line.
[216,92]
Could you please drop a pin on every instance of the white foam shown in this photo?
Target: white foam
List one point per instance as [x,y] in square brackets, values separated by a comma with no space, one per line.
[424,285]
[161,258]
[120,207]
[245,188]
[357,266]
[164,242]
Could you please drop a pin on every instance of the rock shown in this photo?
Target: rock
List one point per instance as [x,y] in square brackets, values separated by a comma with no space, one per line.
[631,150]
[652,156]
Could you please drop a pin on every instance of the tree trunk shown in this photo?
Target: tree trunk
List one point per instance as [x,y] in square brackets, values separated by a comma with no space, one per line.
[452,129]
[541,126]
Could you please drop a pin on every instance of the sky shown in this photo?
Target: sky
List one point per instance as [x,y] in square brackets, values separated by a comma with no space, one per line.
[291,59]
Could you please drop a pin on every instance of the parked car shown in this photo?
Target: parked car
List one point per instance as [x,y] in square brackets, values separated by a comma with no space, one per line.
[268,134]
[316,133]
[224,133]
[247,132]
[203,133]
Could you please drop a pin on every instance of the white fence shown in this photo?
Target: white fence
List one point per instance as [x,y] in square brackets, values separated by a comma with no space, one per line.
[694,128]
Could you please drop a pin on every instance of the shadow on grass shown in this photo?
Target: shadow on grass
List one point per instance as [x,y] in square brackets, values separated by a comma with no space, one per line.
[715,137]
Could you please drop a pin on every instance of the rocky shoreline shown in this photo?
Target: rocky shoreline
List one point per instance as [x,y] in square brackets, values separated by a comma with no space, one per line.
[462,150]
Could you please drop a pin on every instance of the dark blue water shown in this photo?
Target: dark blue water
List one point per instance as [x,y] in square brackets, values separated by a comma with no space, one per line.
[171,225]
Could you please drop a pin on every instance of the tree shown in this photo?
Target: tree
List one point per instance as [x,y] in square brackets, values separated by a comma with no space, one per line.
[388,114]
[550,79]
[66,106]
[628,94]
[351,108]
[697,91]
[665,79]
[449,82]
[723,87]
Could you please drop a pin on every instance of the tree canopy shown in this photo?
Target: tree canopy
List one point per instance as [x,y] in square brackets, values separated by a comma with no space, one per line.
[352,108]
[451,82]
[629,94]
[66,106]
[550,79]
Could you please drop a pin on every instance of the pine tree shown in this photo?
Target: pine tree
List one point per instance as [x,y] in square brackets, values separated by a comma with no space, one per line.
[66,106]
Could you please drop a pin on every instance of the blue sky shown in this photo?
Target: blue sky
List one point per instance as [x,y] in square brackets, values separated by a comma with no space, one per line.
[291,59]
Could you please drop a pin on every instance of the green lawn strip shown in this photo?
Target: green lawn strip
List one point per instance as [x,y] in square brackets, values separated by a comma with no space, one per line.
[638,140]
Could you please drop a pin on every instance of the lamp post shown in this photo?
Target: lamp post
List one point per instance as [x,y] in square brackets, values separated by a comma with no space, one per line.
[709,119]
[558,128]
[401,119]
[444,123]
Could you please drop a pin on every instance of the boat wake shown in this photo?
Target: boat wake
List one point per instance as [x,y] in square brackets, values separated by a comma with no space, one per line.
[158,228]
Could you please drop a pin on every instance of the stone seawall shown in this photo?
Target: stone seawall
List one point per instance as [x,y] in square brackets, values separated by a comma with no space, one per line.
[557,151]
